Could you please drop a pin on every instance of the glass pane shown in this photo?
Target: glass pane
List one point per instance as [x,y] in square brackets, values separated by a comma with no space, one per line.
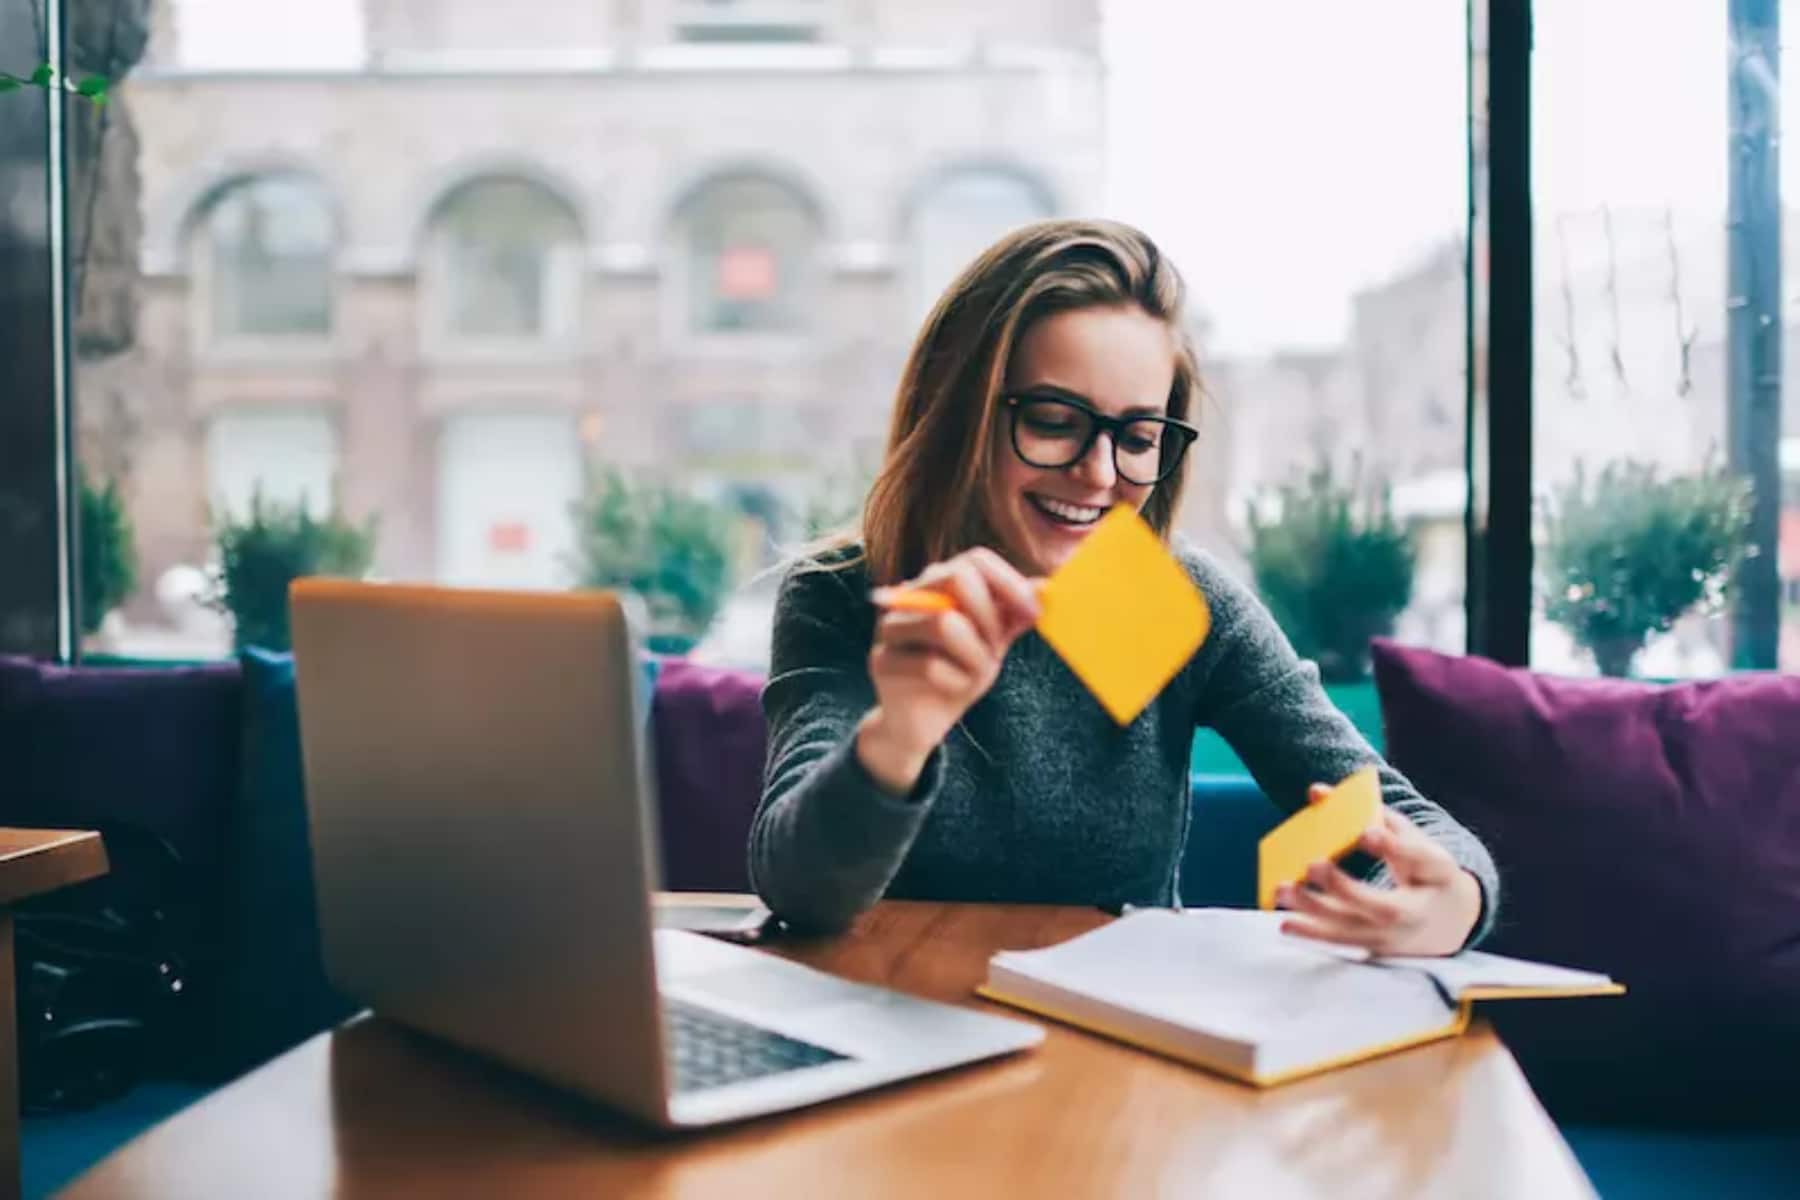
[751,246]
[657,449]
[502,243]
[1651,448]
[269,248]
[1325,264]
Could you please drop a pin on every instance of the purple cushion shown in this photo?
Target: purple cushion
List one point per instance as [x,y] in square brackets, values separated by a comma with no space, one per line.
[1652,832]
[154,748]
[710,739]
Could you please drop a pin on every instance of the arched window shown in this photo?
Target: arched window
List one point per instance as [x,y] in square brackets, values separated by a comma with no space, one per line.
[503,263]
[264,250]
[959,216]
[750,252]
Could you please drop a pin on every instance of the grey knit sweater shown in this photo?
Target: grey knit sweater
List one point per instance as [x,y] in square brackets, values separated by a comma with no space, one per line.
[1037,795]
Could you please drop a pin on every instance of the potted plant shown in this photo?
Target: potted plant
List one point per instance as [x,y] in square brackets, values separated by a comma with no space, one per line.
[274,544]
[1634,553]
[1334,567]
[657,542]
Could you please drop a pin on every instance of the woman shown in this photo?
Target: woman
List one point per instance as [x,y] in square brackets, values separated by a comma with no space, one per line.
[953,755]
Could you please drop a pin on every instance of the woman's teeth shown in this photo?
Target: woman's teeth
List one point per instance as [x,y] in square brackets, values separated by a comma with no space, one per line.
[1067,514]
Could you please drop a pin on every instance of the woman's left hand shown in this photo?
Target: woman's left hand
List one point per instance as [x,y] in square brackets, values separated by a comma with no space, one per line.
[1430,910]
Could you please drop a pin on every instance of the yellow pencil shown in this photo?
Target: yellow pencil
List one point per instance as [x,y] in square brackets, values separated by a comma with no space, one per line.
[920,600]
[925,600]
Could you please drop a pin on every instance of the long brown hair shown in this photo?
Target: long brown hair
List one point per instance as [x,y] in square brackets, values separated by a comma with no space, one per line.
[928,501]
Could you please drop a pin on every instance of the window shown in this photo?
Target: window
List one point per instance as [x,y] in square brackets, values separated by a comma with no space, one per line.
[751,249]
[703,266]
[958,216]
[1328,321]
[265,256]
[505,483]
[505,262]
[1664,432]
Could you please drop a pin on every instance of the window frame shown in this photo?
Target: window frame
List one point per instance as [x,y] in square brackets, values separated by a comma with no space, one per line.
[39,599]
[1498,368]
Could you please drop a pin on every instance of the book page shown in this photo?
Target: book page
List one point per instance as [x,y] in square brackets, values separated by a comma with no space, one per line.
[1233,974]
[1456,973]
[1475,969]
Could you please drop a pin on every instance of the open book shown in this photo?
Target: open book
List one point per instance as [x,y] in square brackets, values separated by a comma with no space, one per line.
[1225,989]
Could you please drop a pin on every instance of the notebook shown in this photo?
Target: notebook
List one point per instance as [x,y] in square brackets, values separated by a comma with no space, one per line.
[1226,990]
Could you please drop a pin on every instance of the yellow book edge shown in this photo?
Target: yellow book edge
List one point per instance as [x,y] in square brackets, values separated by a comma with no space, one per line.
[1458,1025]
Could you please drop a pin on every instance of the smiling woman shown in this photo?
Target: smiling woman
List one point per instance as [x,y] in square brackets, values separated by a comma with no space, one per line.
[946,752]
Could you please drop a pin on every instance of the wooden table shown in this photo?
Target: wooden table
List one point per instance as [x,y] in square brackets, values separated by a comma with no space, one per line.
[32,862]
[370,1110]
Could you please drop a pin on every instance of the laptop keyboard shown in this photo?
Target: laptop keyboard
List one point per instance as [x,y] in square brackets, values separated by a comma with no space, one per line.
[708,1049]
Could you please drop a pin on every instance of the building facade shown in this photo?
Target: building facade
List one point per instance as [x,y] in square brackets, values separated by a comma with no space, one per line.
[437,287]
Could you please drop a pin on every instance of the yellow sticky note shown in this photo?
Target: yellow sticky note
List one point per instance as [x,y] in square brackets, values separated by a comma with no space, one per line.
[1123,614]
[1324,831]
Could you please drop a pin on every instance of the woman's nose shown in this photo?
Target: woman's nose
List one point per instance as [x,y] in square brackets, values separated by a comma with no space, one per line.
[1096,468]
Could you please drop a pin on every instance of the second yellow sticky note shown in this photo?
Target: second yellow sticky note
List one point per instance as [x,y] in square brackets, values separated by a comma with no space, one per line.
[1322,832]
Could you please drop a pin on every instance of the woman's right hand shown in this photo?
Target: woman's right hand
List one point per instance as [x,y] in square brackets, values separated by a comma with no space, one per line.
[929,668]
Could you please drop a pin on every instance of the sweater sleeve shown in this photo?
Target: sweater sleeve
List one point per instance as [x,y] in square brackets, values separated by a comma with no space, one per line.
[1269,705]
[827,839]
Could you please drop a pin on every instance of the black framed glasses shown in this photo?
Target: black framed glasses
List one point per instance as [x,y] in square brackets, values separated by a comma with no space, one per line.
[1058,431]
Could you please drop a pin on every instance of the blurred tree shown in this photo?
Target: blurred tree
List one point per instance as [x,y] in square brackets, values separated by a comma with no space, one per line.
[1334,568]
[659,543]
[1634,554]
[270,548]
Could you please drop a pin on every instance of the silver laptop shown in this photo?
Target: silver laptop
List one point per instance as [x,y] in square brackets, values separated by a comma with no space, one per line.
[484,848]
